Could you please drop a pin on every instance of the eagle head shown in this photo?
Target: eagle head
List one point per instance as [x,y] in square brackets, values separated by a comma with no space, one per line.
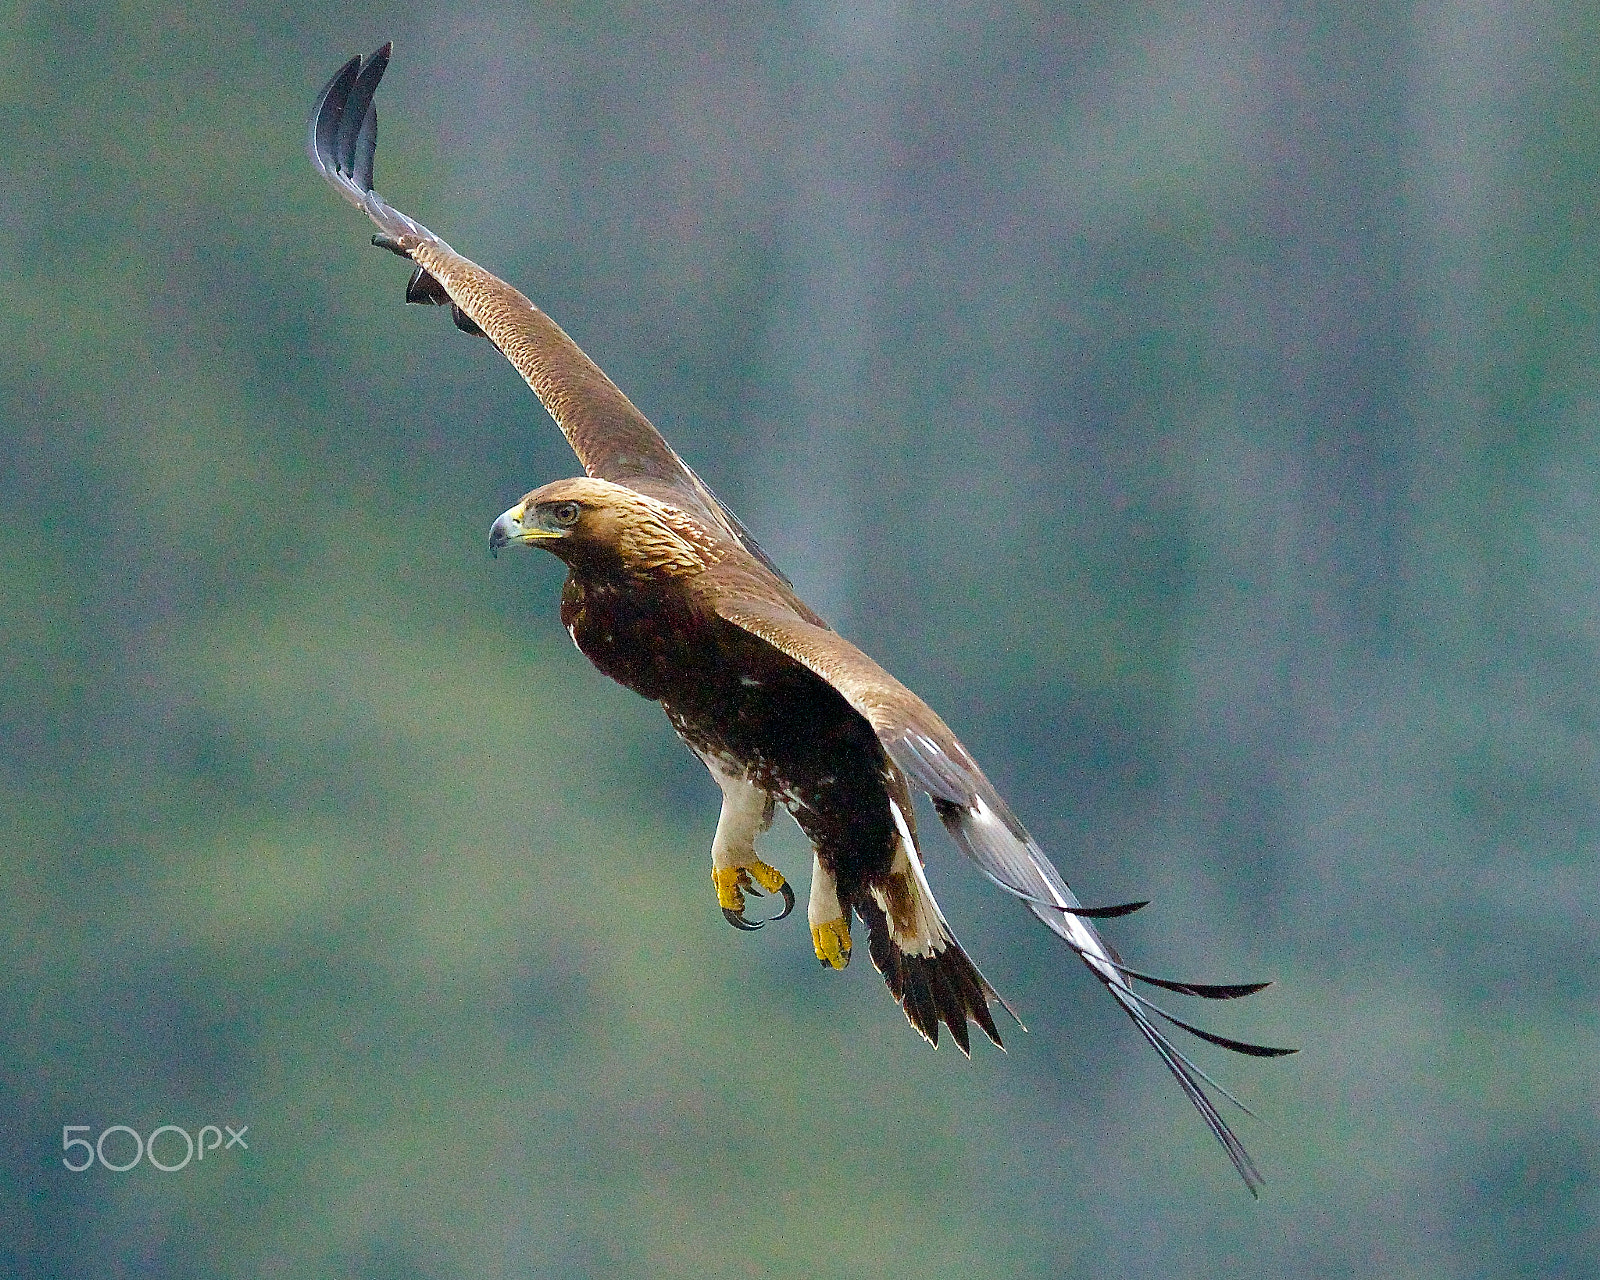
[596,524]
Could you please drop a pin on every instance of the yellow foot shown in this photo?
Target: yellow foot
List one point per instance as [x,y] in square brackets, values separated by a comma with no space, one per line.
[733,883]
[832,941]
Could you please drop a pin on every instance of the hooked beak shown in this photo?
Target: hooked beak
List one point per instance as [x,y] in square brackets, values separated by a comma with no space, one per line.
[508,528]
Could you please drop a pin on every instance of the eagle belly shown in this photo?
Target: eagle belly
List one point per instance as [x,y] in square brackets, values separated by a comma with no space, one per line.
[751,712]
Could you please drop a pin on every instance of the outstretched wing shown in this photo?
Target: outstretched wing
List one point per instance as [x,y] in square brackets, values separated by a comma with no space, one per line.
[612,439]
[923,746]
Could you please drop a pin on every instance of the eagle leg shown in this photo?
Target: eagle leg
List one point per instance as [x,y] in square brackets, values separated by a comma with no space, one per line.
[735,868]
[830,922]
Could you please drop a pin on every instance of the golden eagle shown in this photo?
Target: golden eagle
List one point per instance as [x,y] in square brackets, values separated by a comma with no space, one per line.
[668,594]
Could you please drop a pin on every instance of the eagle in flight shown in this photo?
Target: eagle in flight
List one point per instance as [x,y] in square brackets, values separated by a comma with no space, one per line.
[668,594]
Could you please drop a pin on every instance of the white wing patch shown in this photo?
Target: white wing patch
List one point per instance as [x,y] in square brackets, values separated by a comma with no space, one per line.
[1082,935]
[903,827]
[924,932]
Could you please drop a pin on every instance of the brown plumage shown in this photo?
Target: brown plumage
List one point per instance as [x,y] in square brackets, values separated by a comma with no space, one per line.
[654,598]
[668,594]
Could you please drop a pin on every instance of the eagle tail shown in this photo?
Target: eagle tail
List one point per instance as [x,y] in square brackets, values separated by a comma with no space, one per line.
[913,947]
[941,986]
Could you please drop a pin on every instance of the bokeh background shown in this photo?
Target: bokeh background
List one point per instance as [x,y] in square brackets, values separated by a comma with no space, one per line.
[1196,402]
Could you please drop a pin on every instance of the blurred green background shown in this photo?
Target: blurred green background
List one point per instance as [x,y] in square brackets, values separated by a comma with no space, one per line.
[1196,403]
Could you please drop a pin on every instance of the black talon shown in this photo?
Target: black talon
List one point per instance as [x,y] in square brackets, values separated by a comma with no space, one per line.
[737,920]
[788,900]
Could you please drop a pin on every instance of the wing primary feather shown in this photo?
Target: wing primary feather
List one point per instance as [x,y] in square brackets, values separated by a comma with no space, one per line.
[1130,1001]
[353,113]
[1086,913]
[464,322]
[424,290]
[1122,991]
[919,744]
[612,439]
[337,141]
[1200,1074]
[1225,1042]
[961,821]
[1204,990]
[325,116]
[934,773]
[366,149]
[1190,1078]
[1102,913]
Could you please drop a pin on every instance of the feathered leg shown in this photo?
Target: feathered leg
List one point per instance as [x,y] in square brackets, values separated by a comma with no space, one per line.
[735,868]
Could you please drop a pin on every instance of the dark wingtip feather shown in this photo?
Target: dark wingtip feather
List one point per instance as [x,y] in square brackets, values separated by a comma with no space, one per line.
[324,128]
[1128,998]
[464,322]
[1224,1042]
[353,113]
[424,290]
[1193,1081]
[366,149]
[1007,855]
[1105,913]
[1205,990]
[1116,979]
[342,140]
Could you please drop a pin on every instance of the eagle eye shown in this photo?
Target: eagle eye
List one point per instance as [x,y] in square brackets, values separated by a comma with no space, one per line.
[565,513]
